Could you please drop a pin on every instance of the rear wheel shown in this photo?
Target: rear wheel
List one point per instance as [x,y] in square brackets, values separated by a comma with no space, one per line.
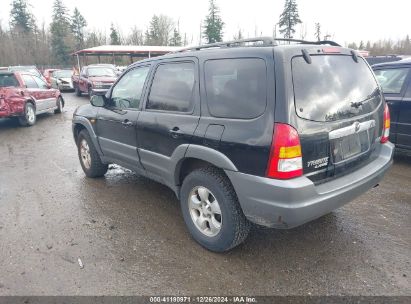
[89,159]
[211,210]
[29,117]
[59,105]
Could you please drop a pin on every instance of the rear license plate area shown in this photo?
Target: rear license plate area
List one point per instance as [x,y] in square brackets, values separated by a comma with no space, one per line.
[350,146]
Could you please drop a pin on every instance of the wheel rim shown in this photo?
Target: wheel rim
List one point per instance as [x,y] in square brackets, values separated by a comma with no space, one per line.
[205,211]
[30,114]
[60,104]
[85,154]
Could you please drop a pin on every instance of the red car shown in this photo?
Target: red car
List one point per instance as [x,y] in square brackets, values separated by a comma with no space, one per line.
[24,95]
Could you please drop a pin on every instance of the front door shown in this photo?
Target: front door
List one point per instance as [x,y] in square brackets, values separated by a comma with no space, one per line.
[404,120]
[48,96]
[170,116]
[393,83]
[34,91]
[116,123]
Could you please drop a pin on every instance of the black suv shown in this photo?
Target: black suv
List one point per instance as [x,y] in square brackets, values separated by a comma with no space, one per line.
[395,80]
[244,131]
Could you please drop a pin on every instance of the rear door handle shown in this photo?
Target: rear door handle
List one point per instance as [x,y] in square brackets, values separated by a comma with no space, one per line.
[175,132]
[127,123]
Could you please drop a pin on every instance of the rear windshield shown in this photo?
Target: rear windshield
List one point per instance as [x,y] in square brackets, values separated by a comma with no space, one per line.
[333,87]
[8,80]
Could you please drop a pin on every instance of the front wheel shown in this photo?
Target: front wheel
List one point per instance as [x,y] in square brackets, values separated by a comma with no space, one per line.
[89,159]
[77,90]
[59,105]
[29,117]
[211,210]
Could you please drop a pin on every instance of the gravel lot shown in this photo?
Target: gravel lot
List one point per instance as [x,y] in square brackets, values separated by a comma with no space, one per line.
[130,236]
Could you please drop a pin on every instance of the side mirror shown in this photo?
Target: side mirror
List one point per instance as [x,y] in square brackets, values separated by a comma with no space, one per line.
[98,101]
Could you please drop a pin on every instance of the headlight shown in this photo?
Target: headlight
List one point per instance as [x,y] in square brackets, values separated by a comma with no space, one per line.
[97,85]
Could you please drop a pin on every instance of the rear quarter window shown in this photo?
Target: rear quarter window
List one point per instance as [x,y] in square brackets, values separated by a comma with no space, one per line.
[8,80]
[333,87]
[236,88]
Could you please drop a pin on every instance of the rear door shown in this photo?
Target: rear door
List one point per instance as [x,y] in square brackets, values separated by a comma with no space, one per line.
[170,115]
[393,81]
[338,111]
[116,123]
[34,91]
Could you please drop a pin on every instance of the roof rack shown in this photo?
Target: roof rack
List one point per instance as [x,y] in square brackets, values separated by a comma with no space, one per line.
[258,41]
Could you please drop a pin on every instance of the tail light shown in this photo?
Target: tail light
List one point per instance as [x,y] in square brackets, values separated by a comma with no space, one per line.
[285,160]
[386,127]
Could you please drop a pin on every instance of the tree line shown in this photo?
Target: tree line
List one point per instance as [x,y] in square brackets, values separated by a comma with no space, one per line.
[24,41]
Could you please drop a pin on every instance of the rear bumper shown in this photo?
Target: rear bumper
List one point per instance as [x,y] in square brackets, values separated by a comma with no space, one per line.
[290,203]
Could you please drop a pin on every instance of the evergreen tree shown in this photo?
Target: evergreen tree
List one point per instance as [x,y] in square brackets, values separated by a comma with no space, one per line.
[213,24]
[318,31]
[114,36]
[368,46]
[176,38]
[61,37]
[21,18]
[289,18]
[78,23]
[361,47]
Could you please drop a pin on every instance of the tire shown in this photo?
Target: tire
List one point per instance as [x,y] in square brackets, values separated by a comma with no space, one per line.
[60,105]
[91,162]
[234,227]
[90,92]
[29,117]
[77,90]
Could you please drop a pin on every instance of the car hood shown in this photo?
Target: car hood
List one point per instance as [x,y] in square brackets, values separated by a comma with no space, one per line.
[66,79]
[102,79]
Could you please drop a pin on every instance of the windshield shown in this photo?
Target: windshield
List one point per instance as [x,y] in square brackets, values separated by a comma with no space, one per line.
[63,74]
[101,71]
[33,71]
[333,87]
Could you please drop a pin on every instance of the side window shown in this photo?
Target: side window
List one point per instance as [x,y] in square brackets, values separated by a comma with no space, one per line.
[392,80]
[29,81]
[236,88]
[127,92]
[173,87]
[408,92]
[41,84]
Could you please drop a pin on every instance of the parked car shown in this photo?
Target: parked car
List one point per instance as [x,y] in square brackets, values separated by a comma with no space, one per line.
[27,68]
[24,95]
[61,79]
[94,80]
[277,135]
[47,74]
[395,80]
[382,59]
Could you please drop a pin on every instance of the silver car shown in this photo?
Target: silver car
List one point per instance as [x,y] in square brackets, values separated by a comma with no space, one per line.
[61,79]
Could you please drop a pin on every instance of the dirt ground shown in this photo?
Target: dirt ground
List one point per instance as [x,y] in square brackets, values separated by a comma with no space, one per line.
[129,234]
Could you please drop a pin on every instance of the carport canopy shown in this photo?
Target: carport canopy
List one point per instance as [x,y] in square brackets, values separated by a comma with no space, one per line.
[141,51]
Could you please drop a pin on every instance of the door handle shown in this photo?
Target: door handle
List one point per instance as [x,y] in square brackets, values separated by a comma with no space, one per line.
[127,123]
[175,132]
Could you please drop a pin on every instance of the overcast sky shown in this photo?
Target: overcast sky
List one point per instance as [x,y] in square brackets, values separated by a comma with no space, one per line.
[345,21]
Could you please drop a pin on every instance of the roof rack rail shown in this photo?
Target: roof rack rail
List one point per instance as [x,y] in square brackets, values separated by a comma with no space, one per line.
[329,42]
[259,41]
[266,41]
